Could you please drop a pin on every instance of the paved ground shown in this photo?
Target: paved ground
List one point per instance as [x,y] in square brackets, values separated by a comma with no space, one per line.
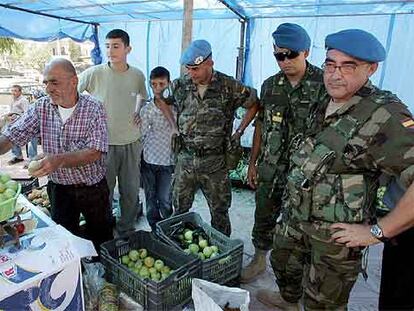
[364,295]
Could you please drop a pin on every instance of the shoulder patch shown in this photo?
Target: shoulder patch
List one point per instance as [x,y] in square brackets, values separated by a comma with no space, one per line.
[408,123]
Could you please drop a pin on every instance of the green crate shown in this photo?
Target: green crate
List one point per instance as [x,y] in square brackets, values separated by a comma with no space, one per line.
[7,207]
[223,269]
[170,294]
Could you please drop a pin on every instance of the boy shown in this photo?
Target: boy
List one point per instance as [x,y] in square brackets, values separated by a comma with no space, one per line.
[157,164]
[117,85]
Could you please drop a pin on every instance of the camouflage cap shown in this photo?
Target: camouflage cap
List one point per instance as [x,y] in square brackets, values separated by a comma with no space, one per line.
[196,53]
[357,43]
[291,36]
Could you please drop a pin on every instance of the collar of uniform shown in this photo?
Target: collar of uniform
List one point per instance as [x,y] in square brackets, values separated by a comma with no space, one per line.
[310,69]
[366,90]
[347,105]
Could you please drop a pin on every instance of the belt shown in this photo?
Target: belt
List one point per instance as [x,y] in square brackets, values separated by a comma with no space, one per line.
[80,185]
[201,152]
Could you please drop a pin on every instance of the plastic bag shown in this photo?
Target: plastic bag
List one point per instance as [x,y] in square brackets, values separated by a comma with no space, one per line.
[209,296]
[93,281]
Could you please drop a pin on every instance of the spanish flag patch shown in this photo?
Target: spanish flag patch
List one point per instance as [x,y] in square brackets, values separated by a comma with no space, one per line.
[408,123]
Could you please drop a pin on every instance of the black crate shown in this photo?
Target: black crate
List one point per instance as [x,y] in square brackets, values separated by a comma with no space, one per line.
[28,184]
[169,294]
[223,269]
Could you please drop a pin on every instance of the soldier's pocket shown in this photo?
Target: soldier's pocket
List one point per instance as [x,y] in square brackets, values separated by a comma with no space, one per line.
[353,187]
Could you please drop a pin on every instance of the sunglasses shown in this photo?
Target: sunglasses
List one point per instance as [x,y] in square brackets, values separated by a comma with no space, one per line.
[281,56]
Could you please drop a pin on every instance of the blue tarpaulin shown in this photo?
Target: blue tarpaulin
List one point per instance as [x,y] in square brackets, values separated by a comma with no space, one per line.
[155,28]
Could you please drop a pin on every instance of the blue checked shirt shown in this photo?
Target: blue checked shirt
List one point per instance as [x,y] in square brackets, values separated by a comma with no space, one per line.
[156,136]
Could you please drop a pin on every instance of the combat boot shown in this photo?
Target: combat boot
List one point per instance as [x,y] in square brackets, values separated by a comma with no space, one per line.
[274,299]
[255,267]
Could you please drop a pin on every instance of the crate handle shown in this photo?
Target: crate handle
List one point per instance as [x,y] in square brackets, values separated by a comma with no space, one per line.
[180,277]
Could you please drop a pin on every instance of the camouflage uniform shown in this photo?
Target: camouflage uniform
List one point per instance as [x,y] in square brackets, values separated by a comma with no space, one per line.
[283,114]
[205,126]
[334,178]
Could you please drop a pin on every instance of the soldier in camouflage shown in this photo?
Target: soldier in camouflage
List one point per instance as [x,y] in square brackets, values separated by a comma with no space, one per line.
[333,178]
[285,103]
[206,101]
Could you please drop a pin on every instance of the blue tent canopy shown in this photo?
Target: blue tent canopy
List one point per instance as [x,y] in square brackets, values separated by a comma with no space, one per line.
[155,28]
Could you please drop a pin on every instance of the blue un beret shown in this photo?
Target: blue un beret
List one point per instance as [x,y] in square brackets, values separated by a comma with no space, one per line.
[357,43]
[291,36]
[196,53]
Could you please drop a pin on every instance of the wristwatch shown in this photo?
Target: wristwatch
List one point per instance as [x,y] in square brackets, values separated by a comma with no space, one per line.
[376,231]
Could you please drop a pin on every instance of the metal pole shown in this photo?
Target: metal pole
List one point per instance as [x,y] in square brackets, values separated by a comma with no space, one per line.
[241,48]
[187,27]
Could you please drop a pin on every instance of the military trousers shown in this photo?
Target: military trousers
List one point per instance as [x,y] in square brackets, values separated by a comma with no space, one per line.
[209,174]
[268,204]
[307,264]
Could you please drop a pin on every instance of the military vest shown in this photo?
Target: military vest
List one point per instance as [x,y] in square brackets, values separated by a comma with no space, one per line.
[204,123]
[286,111]
[327,181]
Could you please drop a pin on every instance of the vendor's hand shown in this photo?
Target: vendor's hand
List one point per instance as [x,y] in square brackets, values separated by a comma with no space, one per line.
[352,235]
[137,119]
[252,176]
[48,164]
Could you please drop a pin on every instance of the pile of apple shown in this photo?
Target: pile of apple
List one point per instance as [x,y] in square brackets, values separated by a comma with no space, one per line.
[145,266]
[196,242]
[8,187]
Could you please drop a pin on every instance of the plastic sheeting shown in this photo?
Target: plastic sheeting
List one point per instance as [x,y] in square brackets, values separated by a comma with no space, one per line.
[156,31]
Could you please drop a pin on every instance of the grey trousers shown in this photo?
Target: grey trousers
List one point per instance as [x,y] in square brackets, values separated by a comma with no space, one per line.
[123,162]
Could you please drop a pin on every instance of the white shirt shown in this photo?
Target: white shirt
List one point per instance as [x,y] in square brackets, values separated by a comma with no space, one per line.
[65,113]
[19,105]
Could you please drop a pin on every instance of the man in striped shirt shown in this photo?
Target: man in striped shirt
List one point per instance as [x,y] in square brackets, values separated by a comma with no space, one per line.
[73,130]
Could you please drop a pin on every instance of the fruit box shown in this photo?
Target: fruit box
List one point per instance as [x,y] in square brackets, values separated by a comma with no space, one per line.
[169,294]
[222,269]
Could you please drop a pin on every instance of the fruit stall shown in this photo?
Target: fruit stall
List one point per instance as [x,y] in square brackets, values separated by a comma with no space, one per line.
[40,266]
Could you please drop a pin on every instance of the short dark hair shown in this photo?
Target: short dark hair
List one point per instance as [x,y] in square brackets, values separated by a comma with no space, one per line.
[118,34]
[16,86]
[159,72]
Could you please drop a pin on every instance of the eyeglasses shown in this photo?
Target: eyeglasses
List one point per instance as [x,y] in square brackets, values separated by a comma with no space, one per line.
[345,69]
[281,56]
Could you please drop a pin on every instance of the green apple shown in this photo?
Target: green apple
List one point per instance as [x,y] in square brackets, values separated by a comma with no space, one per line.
[202,243]
[9,193]
[142,253]
[130,264]
[158,264]
[138,264]
[214,248]
[152,270]
[144,272]
[156,276]
[207,251]
[4,178]
[187,251]
[12,184]
[194,248]
[201,256]
[33,166]
[149,261]
[213,255]
[125,259]
[133,255]
[188,235]
[165,269]
[2,197]
[164,275]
